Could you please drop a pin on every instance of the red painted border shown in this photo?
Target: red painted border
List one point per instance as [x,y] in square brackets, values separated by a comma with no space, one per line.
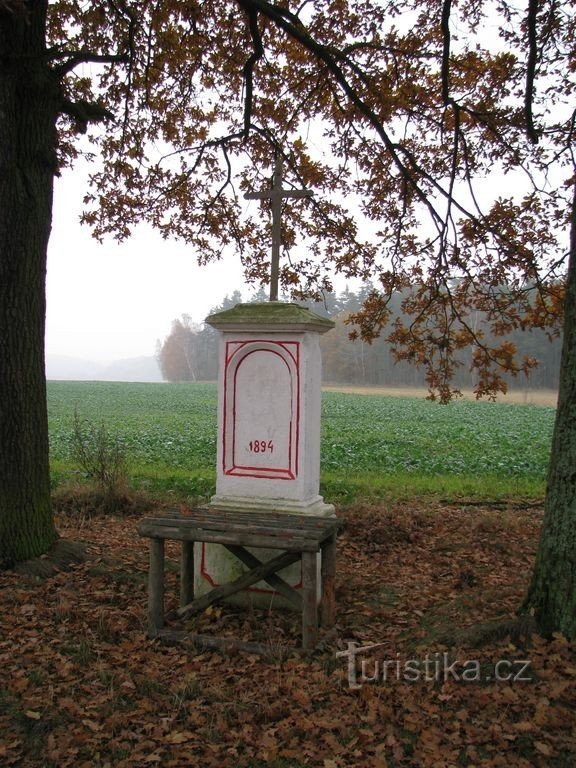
[233,348]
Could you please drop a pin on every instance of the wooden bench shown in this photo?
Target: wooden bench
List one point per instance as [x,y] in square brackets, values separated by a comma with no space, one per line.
[298,537]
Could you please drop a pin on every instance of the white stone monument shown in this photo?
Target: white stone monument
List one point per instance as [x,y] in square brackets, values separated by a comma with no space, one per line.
[268,455]
[269,400]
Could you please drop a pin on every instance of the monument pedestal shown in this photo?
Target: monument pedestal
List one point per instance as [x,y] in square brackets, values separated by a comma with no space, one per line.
[268,456]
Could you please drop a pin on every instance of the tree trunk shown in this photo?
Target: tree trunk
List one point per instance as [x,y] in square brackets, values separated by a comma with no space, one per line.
[29,94]
[552,593]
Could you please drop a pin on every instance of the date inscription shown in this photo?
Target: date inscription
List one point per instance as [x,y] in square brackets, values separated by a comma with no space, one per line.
[261,446]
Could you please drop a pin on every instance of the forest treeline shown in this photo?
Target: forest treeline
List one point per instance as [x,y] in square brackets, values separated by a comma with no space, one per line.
[190,351]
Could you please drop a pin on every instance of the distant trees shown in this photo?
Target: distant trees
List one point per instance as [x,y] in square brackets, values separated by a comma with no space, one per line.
[177,355]
[189,352]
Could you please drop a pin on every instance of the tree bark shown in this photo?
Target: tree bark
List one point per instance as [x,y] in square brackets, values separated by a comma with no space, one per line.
[552,593]
[29,98]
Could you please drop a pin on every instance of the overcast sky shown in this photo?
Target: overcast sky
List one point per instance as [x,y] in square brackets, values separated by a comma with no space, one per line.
[107,302]
[113,301]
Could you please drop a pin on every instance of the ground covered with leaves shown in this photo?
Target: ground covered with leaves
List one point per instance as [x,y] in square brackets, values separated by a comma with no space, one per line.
[432,586]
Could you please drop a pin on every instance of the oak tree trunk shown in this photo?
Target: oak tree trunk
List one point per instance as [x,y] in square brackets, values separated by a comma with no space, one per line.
[29,94]
[552,593]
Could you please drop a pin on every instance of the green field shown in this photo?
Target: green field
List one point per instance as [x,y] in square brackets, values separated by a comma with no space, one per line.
[372,445]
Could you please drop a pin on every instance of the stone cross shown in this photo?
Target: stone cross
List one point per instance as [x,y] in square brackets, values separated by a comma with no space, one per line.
[276,194]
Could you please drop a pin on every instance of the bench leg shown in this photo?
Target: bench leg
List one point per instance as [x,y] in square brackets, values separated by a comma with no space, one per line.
[156,586]
[187,573]
[328,571]
[309,601]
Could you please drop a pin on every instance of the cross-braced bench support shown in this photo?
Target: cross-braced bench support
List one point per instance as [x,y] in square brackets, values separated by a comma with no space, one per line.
[294,537]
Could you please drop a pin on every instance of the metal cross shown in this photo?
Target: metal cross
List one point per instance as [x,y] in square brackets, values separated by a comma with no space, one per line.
[276,194]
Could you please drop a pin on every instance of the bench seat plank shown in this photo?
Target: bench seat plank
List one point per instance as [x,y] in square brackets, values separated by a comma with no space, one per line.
[291,542]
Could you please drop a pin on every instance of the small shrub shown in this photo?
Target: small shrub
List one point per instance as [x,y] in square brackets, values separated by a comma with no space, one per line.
[102,457]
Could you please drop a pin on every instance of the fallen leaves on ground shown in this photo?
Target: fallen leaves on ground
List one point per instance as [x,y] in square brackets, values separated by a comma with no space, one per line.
[82,686]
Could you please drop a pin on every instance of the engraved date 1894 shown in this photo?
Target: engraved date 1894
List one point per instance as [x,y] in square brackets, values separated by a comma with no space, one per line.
[261,446]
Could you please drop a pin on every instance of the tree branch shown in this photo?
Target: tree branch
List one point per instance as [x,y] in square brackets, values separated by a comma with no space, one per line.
[248,70]
[123,10]
[84,112]
[445,26]
[531,131]
[294,28]
[85,57]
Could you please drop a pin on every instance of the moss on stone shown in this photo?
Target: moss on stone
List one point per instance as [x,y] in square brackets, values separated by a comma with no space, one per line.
[269,315]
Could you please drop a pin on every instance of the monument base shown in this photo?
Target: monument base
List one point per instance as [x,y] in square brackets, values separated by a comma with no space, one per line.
[218,566]
[314,506]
